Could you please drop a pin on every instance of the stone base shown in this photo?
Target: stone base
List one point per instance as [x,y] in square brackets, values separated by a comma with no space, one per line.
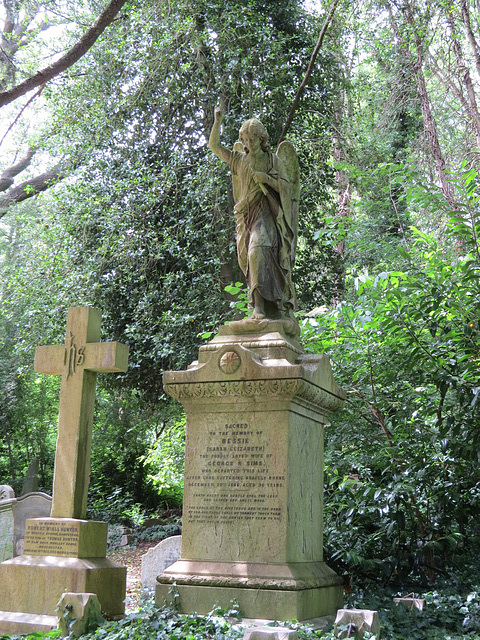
[280,605]
[35,584]
[12,622]
[297,591]
[266,338]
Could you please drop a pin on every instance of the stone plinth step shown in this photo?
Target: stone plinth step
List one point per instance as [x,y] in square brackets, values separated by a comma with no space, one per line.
[16,622]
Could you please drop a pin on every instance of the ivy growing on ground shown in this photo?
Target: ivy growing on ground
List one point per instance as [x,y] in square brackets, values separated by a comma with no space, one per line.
[449,614]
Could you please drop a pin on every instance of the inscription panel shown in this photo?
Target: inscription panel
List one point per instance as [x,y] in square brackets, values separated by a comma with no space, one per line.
[235,488]
[51,538]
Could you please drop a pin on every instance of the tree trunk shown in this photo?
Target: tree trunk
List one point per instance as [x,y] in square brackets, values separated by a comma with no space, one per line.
[428,119]
[464,74]
[343,197]
[471,38]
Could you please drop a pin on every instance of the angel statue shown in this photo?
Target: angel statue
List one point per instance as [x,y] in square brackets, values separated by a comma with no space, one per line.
[266,192]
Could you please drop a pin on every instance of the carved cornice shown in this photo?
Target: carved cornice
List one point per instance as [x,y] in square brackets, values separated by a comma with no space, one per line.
[286,389]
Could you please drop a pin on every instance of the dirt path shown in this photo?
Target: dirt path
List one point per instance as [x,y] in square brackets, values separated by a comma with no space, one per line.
[132,559]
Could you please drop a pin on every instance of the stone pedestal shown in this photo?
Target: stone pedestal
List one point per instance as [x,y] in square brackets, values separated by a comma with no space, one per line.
[252,520]
[60,554]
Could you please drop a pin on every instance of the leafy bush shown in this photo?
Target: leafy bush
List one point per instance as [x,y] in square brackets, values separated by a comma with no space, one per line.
[402,478]
[108,507]
[167,460]
[158,532]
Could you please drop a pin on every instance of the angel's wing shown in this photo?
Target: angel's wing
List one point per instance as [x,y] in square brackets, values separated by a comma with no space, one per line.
[286,152]
[238,146]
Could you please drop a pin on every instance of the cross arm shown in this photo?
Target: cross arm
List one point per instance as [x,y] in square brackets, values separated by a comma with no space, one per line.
[103,357]
[49,359]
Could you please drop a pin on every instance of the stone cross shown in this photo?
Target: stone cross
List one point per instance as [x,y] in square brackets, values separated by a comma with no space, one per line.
[78,361]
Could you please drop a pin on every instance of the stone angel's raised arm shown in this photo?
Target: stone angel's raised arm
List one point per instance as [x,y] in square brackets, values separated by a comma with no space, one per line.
[214,143]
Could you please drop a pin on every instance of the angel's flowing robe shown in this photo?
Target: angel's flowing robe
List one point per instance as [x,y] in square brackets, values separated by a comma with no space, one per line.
[265,235]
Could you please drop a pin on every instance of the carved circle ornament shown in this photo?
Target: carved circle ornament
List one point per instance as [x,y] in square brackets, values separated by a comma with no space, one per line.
[229,362]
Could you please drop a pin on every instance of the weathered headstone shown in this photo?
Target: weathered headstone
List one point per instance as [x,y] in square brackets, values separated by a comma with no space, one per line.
[158,558]
[6,529]
[355,623]
[6,492]
[78,613]
[410,602]
[256,407]
[30,484]
[67,552]
[270,633]
[119,535]
[32,505]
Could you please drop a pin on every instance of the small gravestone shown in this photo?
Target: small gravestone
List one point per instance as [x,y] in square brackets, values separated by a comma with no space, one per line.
[355,623]
[32,505]
[158,558]
[66,552]
[410,602]
[30,484]
[119,536]
[78,613]
[270,633]
[6,492]
[6,529]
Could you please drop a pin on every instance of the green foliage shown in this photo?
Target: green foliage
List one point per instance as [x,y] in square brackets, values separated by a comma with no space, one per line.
[449,615]
[51,635]
[167,458]
[241,294]
[450,612]
[28,401]
[167,623]
[406,349]
[157,532]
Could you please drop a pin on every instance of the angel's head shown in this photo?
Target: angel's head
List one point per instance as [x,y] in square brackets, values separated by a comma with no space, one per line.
[254,128]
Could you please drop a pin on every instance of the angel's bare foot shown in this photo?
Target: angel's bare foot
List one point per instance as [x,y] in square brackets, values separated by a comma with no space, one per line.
[258,306]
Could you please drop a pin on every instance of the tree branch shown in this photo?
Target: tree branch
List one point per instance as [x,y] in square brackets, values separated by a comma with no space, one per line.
[308,73]
[76,52]
[29,101]
[30,188]
[6,179]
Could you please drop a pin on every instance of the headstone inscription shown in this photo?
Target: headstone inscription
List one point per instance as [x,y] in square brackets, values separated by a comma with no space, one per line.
[66,552]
